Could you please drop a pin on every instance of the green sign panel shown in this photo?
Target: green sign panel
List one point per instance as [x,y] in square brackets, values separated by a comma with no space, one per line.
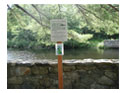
[59,49]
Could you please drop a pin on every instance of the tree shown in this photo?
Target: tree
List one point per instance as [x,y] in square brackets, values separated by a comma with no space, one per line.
[83,20]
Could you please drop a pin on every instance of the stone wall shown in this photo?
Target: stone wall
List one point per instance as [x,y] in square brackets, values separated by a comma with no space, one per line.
[77,74]
[111,43]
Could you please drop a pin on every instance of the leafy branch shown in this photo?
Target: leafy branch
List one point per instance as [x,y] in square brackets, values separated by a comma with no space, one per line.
[19,7]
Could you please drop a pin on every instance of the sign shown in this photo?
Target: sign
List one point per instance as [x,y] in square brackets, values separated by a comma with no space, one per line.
[58,30]
[59,34]
[59,49]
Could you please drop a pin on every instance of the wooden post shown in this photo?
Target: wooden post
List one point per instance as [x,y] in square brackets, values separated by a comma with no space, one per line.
[60,70]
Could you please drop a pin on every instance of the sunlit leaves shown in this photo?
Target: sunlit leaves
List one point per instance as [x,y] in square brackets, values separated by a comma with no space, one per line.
[93,17]
[79,37]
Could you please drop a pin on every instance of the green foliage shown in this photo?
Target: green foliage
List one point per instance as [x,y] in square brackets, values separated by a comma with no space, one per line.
[86,28]
[23,39]
[81,38]
[77,40]
[100,45]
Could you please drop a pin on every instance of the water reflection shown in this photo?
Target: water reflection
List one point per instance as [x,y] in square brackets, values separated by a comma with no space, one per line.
[68,54]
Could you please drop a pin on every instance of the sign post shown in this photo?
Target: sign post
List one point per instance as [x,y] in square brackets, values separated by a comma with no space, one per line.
[60,68]
[59,34]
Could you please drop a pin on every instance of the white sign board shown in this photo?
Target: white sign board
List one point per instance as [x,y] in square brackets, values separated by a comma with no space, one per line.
[59,49]
[58,30]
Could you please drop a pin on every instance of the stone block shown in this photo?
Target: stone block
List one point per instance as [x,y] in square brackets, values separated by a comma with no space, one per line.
[111,75]
[11,71]
[39,70]
[74,75]
[33,80]
[87,80]
[70,75]
[53,69]
[79,85]
[104,66]
[111,43]
[105,81]
[98,86]
[66,75]
[87,66]
[68,68]
[20,71]
[35,70]
[13,86]
[28,85]
[43,70]
[46,82]
[67,84]
[94,74]
[53,76]
[82,72]
[15,80]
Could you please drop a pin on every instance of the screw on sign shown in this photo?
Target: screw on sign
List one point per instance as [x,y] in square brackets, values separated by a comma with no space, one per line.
[59,35]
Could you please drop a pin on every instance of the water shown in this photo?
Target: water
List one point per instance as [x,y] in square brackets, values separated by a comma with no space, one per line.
[68,54]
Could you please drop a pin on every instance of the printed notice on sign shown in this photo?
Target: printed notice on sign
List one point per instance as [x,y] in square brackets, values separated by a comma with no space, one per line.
[58,30]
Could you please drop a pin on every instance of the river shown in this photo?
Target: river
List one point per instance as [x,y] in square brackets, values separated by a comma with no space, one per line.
[13,54]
